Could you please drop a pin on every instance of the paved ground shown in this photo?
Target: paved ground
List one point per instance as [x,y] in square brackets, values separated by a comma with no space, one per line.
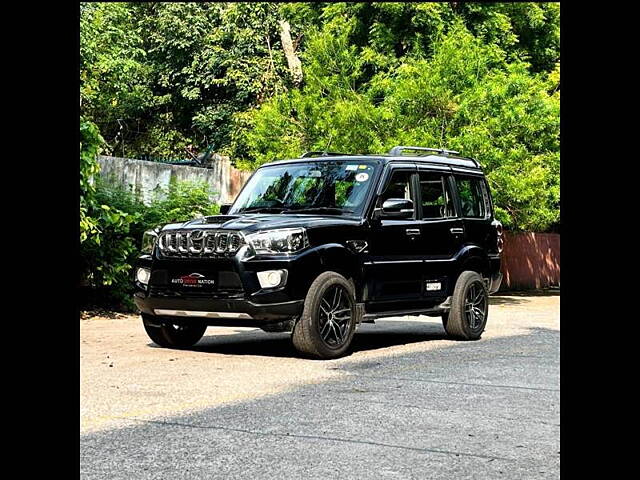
[406,404]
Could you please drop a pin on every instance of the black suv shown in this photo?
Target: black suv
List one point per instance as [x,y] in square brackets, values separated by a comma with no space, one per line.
[317,245]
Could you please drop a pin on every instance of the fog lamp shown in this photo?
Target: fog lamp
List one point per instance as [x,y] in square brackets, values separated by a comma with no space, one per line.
[143,275]
[272,278]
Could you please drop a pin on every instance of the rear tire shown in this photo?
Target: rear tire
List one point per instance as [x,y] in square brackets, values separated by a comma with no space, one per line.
[328,321]
[173,335]
[469,308]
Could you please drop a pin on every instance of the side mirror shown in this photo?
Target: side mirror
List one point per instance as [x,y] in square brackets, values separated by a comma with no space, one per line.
[396,208]
[224,208]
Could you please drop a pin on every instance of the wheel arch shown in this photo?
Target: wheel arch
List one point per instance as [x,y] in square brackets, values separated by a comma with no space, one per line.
[338,258]
[474,259]
[476,263]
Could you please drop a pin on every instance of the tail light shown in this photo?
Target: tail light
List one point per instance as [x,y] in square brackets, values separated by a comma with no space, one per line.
[500,238]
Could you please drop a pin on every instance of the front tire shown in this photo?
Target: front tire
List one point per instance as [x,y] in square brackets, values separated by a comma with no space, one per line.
[173,335]
[469,308]
[327,324]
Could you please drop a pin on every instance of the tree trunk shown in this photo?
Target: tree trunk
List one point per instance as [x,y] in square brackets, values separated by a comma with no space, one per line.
[295,66]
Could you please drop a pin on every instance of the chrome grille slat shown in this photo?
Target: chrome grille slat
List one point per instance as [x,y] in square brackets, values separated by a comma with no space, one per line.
[199,243]
[209,244]
[181,240]
[222,241]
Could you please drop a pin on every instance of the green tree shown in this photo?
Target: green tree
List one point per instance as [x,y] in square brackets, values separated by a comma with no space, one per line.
[105,244]
[158,77]
[466,96]
[114,78]
[90,145]
[482,77]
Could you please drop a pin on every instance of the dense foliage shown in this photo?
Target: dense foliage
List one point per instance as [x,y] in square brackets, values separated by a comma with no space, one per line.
[465,96]
[158,77]
[482,78]
[119,218]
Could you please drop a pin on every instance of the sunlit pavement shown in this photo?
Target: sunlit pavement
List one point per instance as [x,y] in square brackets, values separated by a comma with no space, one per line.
[408,403]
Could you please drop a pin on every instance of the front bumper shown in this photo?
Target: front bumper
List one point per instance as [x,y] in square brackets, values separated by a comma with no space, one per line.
[239,312]
[237,298]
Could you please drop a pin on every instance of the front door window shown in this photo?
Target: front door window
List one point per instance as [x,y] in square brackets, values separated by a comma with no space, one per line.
[398,187]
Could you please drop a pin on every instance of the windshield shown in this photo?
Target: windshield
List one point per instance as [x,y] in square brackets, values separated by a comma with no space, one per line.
[330,187]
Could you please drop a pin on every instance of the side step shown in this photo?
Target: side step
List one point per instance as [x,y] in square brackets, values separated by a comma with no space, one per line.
[432,312]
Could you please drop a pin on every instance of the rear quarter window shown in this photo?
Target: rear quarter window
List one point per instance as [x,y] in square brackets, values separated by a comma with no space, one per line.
[474,198]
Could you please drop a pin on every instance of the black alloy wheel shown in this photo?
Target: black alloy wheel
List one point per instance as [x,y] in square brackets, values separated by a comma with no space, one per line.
[467,318]
[329,317]
[335,316]
[475,305]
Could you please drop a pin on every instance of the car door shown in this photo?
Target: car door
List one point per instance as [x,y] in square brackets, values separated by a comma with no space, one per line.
[441,230]
[475,209]
[393,267]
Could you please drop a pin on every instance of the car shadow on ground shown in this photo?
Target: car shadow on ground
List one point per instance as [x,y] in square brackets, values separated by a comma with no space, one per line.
[385,333]
[547,292]
[368,337]
[520,297]
[505,300]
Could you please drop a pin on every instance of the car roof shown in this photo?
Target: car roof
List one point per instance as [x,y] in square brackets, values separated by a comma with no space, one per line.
[444,159]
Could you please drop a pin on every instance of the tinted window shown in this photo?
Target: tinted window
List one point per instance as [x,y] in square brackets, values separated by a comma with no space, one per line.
[435,196]
[340,185]
[472,198]
[398,187]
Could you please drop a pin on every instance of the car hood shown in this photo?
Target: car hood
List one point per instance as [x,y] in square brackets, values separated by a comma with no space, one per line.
[248,223]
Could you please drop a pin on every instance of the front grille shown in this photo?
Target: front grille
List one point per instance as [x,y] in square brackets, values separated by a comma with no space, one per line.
[199,243]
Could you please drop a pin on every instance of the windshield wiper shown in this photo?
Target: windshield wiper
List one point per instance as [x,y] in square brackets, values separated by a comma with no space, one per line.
[333,210]
[262,209]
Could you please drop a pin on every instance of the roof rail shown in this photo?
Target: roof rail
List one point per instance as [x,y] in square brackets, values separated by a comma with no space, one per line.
[322,154]
[397,151]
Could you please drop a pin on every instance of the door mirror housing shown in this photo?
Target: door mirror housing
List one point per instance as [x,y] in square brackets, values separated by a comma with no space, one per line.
[396,208]
[224,208]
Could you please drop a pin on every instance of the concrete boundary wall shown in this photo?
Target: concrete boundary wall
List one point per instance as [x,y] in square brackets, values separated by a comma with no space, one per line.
[145,177]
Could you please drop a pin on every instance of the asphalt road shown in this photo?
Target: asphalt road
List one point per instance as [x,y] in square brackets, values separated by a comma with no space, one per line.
[407,404]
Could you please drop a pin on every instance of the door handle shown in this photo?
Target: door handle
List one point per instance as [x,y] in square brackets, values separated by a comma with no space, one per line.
[456,230]
[413,231]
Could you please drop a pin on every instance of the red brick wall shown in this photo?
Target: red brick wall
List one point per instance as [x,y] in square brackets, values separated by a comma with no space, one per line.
[530,260]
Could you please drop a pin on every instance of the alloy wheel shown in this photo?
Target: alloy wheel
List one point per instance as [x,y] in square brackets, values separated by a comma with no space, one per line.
[335,316]
[475,305]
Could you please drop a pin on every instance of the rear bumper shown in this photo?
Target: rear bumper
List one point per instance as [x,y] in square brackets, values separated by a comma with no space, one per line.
[238,312]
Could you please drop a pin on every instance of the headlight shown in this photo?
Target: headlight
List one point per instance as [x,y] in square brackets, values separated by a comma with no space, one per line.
[149,241]
[286,240]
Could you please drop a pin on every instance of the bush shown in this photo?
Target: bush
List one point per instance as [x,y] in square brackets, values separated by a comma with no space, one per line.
[107,259]
[181,201]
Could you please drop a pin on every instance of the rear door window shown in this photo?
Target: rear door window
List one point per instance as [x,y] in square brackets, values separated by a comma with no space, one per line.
[435,196]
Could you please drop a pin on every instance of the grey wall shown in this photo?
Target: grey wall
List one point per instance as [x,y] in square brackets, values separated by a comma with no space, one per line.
[144,177]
